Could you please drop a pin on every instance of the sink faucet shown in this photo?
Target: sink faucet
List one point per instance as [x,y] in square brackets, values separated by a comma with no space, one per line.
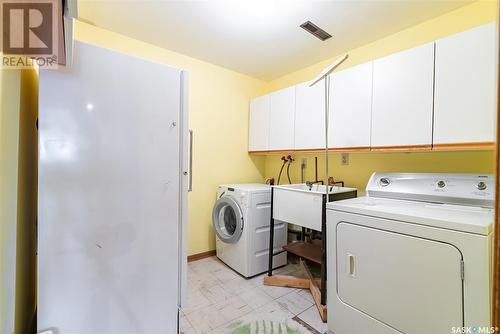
[311,183]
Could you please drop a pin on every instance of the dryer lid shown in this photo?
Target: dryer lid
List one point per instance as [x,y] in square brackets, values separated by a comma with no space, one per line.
[227,219]
[453,217]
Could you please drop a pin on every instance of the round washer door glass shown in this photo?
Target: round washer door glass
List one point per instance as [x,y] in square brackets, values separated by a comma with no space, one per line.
[227,219]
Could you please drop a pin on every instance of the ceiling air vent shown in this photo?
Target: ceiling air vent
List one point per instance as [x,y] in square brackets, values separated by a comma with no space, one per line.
[315,30]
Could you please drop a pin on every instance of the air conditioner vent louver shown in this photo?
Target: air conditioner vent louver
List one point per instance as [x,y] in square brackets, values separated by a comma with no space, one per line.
[315,30]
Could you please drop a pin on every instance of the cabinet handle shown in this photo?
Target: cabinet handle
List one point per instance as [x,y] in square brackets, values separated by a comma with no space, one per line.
[351,265]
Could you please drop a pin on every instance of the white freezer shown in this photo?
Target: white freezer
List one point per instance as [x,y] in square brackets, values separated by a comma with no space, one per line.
[113,181]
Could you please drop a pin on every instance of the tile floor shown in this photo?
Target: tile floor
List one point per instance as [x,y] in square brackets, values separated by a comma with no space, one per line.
[219,300]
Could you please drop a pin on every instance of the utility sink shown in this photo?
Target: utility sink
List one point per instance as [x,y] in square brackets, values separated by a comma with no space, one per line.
[300,205]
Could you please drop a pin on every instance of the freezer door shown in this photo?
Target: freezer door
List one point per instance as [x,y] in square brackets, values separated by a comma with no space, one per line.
[411,284]
[110,176]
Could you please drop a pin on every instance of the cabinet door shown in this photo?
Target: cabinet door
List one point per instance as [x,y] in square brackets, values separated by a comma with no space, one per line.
[351,107]
[310,116]
[282,126]
[465,89]
[258,129]
[402,98]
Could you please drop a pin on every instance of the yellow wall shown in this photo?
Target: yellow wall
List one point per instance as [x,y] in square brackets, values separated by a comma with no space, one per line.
[18,154]
[9,138]
[218,115]
[27,184]
[361,165]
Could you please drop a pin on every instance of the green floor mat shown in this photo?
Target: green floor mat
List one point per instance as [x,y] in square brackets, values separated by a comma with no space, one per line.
[266,327]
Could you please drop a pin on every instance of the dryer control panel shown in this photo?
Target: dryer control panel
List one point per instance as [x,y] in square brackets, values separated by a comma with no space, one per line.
[460,189]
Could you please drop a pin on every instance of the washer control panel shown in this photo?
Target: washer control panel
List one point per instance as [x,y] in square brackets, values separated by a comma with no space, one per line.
[460,189]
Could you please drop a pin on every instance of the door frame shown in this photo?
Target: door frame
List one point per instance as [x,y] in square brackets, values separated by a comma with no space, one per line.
[496,241]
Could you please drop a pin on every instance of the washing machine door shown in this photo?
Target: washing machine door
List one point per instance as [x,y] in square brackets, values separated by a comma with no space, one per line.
[227,219]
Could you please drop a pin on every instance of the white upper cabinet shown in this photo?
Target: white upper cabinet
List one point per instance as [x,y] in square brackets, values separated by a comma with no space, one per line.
[258,130]
[438,95]
[282,120]
[309,116]
[351,107]
[465,87]
[402,98]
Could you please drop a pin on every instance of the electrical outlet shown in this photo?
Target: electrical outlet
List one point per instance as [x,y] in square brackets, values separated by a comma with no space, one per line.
[345,159]
[304,163]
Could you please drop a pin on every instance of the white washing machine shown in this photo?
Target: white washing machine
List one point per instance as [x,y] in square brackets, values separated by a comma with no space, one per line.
[241,218]
[413,256]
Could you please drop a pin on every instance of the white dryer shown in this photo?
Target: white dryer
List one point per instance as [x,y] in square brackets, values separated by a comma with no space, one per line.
[413,256]
[241,218]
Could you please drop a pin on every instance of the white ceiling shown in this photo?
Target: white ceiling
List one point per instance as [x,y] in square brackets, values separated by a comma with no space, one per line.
[260,38]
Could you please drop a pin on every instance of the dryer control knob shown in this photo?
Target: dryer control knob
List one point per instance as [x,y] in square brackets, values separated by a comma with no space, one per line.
[441,184]
[384,182]
[481,186]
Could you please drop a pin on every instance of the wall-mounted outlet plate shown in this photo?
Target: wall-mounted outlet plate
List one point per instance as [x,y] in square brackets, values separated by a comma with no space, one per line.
[344,159]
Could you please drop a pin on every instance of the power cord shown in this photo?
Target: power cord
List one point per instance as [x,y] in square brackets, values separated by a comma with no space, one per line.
[281,170]
[290,160]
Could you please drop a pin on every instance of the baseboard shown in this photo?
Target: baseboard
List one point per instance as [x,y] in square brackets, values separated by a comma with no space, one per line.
[200,256]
